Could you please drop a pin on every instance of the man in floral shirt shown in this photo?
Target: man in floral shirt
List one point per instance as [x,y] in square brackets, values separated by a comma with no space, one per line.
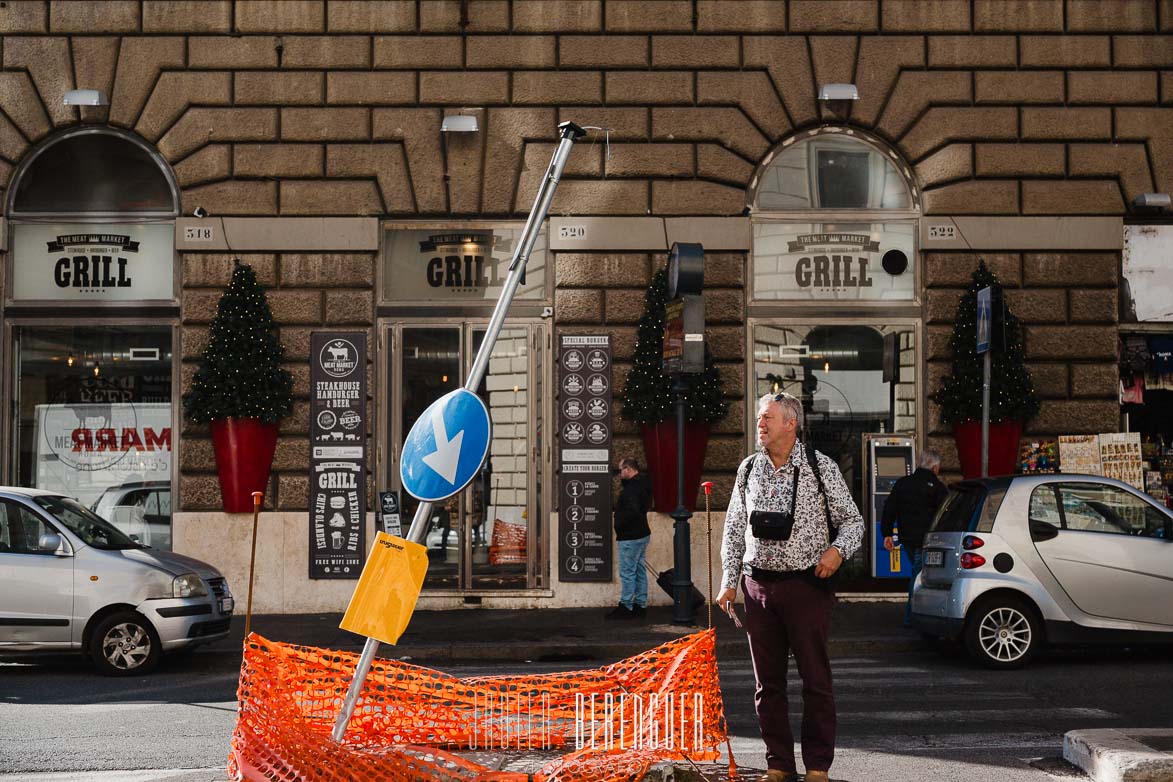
[786,577]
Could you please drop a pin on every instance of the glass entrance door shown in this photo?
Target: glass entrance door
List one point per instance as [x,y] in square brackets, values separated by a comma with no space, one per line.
[853,378]
[483,538]
[93,421]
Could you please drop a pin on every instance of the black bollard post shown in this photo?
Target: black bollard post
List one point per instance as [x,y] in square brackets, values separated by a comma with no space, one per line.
[682,610]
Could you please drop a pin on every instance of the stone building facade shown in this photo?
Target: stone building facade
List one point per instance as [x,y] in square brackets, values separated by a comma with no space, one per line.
[310,129]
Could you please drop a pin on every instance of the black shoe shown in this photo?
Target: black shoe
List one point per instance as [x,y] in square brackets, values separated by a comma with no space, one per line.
[639,612]
[620,612]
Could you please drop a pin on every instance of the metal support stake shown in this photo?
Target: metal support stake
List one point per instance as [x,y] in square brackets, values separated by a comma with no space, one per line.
[569,133]
[681,535]
[252,564]
[986,414]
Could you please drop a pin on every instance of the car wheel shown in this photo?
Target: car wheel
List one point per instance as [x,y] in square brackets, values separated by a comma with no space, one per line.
[1002,633]
[125,644]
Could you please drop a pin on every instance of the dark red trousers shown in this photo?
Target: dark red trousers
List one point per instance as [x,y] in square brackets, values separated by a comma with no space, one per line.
[782,616]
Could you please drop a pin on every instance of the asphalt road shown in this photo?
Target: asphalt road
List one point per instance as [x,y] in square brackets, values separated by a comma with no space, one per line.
[913,715]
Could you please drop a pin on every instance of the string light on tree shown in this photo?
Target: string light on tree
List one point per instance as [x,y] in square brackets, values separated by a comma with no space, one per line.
[1012,393]
[647,398]
[240,373]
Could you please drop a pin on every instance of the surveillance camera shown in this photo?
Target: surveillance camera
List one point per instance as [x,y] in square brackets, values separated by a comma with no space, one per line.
[200,212]
[547,312]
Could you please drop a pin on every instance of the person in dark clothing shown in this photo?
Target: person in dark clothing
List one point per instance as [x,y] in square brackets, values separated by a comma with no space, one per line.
[911,507]
[633,534]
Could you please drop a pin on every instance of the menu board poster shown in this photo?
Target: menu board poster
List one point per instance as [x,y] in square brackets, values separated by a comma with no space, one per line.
[1120,458]
[338,397]
[1080,454]
[584,481]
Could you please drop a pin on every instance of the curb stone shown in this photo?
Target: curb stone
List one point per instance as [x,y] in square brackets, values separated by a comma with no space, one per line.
[1108,755]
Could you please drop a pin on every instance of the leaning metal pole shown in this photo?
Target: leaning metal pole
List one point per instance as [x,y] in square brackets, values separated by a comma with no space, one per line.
[569,133]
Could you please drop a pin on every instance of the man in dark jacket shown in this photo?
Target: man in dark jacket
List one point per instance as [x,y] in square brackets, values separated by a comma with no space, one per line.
[910,508]
[633,534]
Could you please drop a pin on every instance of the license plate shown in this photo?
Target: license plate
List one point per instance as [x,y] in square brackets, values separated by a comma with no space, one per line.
[934,558]
[226,605]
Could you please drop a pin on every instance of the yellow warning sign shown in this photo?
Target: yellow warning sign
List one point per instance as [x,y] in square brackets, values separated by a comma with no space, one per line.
[893,560]
[387,590]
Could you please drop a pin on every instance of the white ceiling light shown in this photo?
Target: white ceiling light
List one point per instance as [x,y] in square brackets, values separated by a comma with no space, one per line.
[86,98]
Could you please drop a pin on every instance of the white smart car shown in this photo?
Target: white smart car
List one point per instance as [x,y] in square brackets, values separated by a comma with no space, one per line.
[1013,563]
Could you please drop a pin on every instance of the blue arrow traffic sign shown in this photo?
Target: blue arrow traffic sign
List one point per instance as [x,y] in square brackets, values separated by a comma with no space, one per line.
[446,446]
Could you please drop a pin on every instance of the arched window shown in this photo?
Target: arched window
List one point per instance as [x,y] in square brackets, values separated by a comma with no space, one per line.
[834,220]
[832,168]
[94,171]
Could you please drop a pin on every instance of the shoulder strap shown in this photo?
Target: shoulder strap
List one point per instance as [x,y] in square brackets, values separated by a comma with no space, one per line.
[743,476]
[812,459]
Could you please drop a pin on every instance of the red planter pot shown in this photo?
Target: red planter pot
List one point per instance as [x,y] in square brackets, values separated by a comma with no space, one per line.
[660,448]
[244,455]
[1004,441]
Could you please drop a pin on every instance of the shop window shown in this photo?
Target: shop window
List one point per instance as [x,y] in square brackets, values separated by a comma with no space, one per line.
[107,173]
[94,421]
[92,215]
[834,219]
[830,169]
[838,373]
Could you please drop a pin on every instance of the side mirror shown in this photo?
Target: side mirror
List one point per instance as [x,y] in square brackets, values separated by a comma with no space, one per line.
[51,543]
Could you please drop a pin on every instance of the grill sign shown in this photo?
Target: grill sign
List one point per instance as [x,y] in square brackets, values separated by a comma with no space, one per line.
[55,262]
[799,261]
[337,454]
[458,265]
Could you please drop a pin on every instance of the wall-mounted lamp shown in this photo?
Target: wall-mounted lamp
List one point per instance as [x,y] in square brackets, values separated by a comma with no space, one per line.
[838,98]
[459,123]
[86,98]
[836,92]
[1153,201]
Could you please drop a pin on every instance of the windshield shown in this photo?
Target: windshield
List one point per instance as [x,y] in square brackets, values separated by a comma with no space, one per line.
[93,530]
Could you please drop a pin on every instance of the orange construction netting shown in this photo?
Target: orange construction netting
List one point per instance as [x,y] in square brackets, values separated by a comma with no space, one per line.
[410,723]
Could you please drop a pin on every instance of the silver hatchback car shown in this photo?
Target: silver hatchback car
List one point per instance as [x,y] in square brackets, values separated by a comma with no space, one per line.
[71,580]
[1015,562]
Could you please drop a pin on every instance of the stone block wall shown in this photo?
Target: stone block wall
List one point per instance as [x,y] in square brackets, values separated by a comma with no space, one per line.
[333,107]
[1067,303]
[306,292]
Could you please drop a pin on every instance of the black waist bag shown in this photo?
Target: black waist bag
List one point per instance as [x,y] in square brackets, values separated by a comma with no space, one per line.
[771,525]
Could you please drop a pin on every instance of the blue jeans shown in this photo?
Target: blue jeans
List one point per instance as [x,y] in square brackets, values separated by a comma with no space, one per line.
[915,558]
[632,572]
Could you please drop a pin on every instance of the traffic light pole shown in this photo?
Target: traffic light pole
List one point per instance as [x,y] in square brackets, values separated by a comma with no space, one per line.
[569,133]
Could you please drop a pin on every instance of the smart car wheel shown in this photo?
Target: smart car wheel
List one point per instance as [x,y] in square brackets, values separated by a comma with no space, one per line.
[125,644]
[1002,633]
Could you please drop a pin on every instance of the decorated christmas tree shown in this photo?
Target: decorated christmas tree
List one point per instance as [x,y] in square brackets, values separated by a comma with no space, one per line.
[648,397]
[240,373]
[1012,394]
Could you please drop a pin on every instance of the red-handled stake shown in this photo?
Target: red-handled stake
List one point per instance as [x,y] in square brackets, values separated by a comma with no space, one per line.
[252,562]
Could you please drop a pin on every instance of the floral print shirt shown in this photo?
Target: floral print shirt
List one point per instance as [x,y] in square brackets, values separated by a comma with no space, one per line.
[761,487]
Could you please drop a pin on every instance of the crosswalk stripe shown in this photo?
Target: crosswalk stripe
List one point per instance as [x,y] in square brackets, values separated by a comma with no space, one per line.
[976,715]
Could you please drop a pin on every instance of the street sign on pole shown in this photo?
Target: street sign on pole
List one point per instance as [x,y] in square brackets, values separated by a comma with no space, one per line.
[985,330]
[446,447]
[440,458]
[985,319]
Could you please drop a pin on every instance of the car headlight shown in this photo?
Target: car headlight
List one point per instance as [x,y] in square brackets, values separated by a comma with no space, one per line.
[188,585]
